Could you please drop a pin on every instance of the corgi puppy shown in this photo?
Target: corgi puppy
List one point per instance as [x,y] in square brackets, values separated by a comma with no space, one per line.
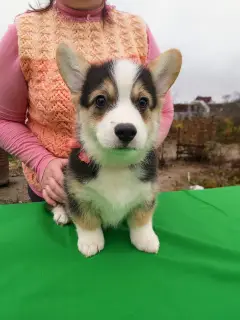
[112,174]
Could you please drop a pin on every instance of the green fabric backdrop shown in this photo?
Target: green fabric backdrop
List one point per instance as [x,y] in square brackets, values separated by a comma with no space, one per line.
[195,276]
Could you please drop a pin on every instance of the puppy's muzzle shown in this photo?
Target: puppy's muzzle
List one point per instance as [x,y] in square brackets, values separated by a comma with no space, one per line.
[125,132]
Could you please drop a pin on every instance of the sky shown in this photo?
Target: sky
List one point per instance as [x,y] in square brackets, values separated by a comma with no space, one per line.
[206,32]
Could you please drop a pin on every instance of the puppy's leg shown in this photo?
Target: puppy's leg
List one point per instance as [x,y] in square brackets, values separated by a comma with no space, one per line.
[141,231]
[59,214]
[88,226]
[90,242]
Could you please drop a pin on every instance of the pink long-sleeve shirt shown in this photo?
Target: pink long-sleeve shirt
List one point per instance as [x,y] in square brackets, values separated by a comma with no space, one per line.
[15,137]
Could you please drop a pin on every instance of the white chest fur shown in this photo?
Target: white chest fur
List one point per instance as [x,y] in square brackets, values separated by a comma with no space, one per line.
[115,193]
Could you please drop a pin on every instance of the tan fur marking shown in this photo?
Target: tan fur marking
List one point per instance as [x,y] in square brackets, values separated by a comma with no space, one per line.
[75,99]
[140,218]
[86,220]
[93,95]
[110,89]
[139,91]
[154,114]
[146,116]
[96,114]
[106,89]
[97,117]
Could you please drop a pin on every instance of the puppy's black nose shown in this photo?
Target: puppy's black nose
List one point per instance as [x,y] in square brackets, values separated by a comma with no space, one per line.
[125,132]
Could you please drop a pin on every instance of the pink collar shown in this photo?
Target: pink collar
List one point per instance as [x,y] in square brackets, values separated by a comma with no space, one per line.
[80,14]
[82,156]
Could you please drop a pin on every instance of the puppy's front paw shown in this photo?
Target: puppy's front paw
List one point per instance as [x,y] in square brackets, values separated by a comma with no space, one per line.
[145,239]
[90,242]
[60,216]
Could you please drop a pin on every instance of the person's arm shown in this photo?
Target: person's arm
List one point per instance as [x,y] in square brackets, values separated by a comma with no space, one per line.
[168,108]
[15,137]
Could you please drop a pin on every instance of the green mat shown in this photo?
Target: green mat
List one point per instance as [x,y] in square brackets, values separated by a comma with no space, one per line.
[195,276]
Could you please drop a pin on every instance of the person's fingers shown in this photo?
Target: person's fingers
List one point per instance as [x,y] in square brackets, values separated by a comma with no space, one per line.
[60,179]
[50,201]
[57,189]
[58,173]
[63,162]
[58,176]
[52,181]
[52,194]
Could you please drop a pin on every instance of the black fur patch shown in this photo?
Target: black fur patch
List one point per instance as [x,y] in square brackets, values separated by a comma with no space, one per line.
[149,167]
[77,208]
[74,206]
[83,172]
[95,76]
[145,77]
[145,206]
[150,205]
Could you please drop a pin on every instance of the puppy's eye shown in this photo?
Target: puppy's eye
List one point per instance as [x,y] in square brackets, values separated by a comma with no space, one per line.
[143,103]
[100,101]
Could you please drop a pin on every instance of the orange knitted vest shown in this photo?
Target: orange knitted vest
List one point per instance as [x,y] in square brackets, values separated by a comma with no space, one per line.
[51,113]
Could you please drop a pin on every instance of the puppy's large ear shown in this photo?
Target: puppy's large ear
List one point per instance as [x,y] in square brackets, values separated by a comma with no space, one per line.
[73,68]
[165,70]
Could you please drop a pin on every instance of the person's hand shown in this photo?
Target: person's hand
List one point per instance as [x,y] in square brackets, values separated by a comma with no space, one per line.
[52,182]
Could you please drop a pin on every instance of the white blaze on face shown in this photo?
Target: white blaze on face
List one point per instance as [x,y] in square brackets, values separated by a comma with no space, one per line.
[124,74]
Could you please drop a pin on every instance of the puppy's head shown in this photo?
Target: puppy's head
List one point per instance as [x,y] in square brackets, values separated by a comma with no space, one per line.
[118,103]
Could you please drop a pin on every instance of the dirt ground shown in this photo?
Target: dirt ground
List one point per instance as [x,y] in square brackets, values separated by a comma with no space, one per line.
[16,191]
[172,176]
